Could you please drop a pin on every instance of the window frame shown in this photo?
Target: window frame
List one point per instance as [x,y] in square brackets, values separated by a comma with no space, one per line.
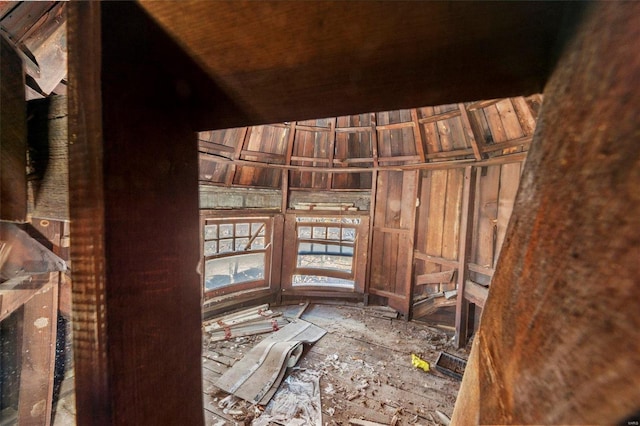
[267,250]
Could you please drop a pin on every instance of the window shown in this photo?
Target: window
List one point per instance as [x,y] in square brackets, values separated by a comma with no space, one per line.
[236,251]
[325,251]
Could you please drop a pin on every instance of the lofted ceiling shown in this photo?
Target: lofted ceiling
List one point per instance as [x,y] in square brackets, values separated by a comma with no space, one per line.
[284,60]
[340,153]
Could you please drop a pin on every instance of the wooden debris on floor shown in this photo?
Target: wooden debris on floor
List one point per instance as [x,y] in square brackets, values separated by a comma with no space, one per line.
[247,322]
[364,367]
[256,377]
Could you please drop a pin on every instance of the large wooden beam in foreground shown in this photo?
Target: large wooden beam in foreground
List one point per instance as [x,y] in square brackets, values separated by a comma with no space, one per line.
[134,221]
[559,341]
[284,61]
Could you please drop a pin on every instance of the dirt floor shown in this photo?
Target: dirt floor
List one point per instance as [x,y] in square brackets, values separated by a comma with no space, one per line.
[364,365]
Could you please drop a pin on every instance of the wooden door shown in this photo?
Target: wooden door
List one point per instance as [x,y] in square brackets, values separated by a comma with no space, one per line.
[393,233]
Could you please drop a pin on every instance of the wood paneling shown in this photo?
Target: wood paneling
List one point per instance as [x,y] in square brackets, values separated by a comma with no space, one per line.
[392,247]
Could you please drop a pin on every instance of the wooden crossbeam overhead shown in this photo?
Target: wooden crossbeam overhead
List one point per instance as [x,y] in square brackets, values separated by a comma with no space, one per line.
[242,140]
[468,132]
[504,159]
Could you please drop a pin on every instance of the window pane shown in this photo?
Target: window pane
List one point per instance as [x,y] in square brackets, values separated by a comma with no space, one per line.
[325,256]
[255,227]
[319,232]
[226,230]
[304,232]
[234,270]
[333,233]
[258,243]
[210,232]
[242,230]
[210,248]
[241,244]
[226,246]
[317,280]
[348,234]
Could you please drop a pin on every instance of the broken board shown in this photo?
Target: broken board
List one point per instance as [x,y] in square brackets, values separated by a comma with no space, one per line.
[258,374]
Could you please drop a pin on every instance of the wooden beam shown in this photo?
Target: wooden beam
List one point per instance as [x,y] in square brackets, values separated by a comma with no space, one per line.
[464,252]
[233,168]
[399,53]
[524,141]
[374,140]
[468,132]
[394,126]
[131,151]
[285,172]
[475,293]
[417,135]
[439,117]
[485,270]
[435,259]
[332,149]
[435,277]
[442,165]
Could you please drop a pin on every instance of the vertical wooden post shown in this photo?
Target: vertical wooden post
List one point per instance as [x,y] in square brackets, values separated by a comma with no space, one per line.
[285,172]
[134,221]
[464,252]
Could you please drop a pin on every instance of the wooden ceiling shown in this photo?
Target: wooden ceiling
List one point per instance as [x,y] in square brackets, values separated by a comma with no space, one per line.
[283,61]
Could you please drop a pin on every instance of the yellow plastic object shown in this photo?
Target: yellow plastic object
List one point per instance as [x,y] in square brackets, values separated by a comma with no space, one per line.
[417,362]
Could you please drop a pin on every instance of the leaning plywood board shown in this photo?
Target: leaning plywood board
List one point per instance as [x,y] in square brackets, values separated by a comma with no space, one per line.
[256,377]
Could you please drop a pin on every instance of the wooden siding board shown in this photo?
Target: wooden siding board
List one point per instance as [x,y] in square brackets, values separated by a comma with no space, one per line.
[509,182]
[487,216]
[451,226]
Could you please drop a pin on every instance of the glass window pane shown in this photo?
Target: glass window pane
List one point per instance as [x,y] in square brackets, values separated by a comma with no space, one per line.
[255,227]
[242,230]
[225,246]
[325,256]
[210,248]
[226,230]
[258,243]
[319,232]
[318,280]
[333,233]
[210,232]
[241,244]
[348,234]
[304,232]
[234,270]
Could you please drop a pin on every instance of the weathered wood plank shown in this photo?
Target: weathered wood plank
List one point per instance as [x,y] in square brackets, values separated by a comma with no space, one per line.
[475,293]
[435,277]
[509,182]
[466,235]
